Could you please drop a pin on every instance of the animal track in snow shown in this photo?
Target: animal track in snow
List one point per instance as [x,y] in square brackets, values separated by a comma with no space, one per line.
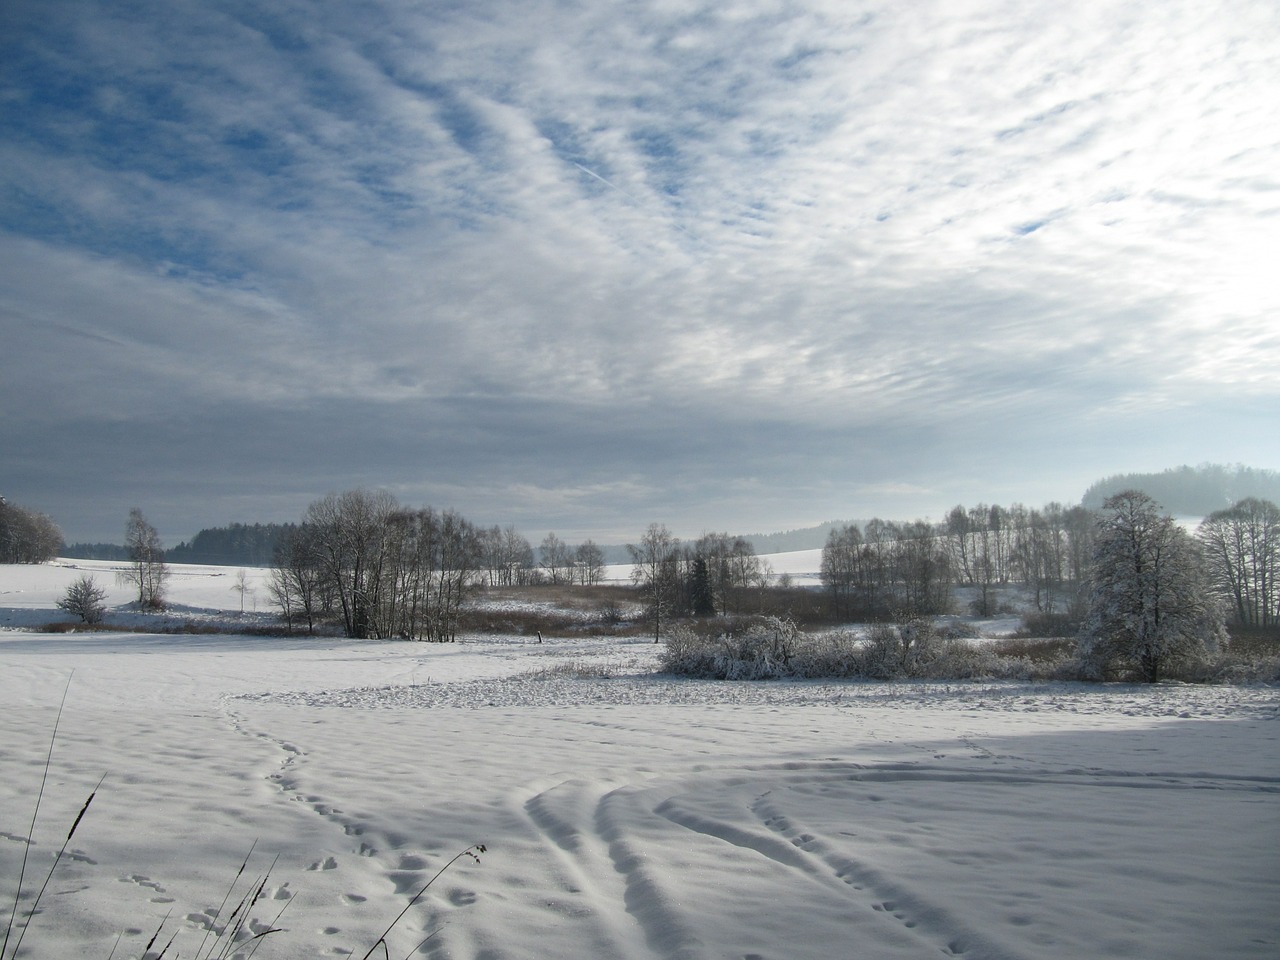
[142,881]
[462,898]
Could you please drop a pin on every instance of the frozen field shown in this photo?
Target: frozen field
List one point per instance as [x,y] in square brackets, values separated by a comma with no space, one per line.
[637,816]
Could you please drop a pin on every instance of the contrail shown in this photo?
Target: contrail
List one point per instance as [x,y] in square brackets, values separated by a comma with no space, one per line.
[592,173]
[614,186]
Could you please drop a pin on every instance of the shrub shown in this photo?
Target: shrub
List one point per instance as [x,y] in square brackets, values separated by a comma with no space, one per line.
[85,599]
[774,649]
[882,653]
[1049,625]
[764,650]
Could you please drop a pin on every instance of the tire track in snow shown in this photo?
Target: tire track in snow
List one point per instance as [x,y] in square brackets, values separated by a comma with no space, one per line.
[934,924]
[565,815]
[644,897]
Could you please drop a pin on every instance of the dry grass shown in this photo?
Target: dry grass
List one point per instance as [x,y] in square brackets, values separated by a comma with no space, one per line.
[585,669]
[1035,649]
[1255,641]
[555,611]
[189,627]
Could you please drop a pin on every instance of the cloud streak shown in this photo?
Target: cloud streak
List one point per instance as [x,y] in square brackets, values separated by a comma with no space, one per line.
[748,256]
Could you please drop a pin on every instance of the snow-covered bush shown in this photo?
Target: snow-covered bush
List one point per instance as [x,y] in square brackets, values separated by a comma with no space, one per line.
[774,649]
[881,653]
[824,655]
[85,599]
[763,651]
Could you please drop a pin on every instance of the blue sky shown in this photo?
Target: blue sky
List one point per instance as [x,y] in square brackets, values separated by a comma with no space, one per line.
[583,266]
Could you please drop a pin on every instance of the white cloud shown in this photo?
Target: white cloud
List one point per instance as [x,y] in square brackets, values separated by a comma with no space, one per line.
[839,216]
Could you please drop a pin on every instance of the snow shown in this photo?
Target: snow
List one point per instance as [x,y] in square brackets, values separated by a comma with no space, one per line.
[635,816]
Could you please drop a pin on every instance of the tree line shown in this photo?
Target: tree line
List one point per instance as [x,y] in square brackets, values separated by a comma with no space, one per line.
[386,570]
[902,570]
[383,569]
[889,569]
[27,536]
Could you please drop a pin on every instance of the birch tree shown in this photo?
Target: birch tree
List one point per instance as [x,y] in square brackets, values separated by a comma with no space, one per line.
[1242,544]
[656,572]
[147,571]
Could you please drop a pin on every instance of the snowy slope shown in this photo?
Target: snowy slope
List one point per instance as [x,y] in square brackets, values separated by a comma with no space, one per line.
[635,817]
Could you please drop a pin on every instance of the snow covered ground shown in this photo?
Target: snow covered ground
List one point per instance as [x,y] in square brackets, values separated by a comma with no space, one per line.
[636,816]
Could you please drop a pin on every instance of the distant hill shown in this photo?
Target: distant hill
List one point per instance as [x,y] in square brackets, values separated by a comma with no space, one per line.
[805,538]
[1191,491]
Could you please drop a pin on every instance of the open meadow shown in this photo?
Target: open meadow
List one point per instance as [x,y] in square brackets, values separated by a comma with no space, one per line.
[626,814]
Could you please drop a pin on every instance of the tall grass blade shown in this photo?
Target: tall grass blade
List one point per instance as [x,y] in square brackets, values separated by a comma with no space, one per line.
[472,851]
[418,945]
[35,904]
[273,927]
[31,832]
[160,955]
[155,936]
[230,935]
[226,897]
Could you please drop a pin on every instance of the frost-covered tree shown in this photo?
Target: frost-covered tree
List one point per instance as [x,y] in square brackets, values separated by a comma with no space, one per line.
[85,599]
[1152,603]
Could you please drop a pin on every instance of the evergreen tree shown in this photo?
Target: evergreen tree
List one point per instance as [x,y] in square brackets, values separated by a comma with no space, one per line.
[702,600]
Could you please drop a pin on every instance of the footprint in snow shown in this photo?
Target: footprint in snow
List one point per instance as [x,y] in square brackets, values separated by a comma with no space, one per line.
[462,898]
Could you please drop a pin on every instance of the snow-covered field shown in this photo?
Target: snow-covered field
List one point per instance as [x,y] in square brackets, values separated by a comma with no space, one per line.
[637,816]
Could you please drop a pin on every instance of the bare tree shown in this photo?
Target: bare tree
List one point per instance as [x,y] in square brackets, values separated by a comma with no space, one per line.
[242,586]
[588,564]
[296,584]
[507,557]
[1242,544]
[656,572]
[557,559]
[923,570]
[843,568]
[147,572]
[347,540]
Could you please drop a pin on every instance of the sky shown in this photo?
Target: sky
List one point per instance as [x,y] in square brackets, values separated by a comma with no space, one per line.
[744,265]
